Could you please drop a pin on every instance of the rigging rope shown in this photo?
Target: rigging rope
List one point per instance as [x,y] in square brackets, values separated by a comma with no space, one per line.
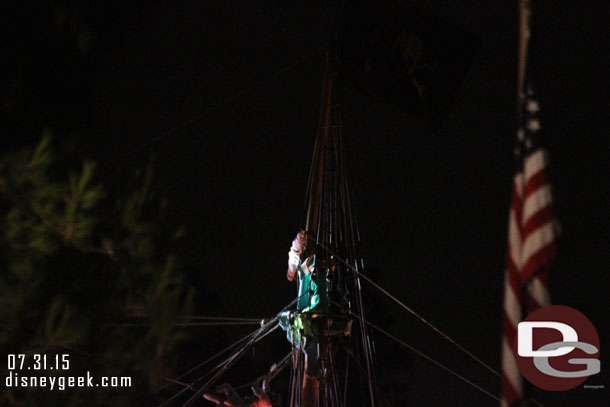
[225,366]
[438,363]
[259,334]
[223,318]
[437,330]
[430,325]
[412,312]
[191,370]
[186,324]
[220,104]
[363,370]
[218,323]
[275,370]
[233,345]
[428,358]
[214,371]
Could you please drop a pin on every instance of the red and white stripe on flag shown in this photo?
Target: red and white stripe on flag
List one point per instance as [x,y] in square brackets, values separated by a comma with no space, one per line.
[533,231]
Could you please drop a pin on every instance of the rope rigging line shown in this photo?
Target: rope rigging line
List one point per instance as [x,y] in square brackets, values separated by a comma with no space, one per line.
[363,371]
[330,212]
[216,355]
[187,324]
[428,358]
[229,362]
[412,312]
[275,370]
[233,345]
[435,362]
[230,323]
[267,327]
[433,327]
[216,371]
[220,104]
[437,330]
[205,362]
[223,318]
[224,362]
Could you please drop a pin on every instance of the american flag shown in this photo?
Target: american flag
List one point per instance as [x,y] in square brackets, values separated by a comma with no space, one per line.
[532,236]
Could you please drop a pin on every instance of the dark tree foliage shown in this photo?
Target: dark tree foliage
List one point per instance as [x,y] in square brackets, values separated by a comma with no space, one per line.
[89,272]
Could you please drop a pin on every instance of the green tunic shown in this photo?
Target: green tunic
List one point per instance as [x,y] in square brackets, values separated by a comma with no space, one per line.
[312,301]
[313,296]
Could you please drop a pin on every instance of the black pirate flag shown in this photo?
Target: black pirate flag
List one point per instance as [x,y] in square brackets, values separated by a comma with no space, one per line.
[412,59]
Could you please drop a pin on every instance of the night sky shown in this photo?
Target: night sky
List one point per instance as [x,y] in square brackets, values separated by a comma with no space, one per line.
[432,206]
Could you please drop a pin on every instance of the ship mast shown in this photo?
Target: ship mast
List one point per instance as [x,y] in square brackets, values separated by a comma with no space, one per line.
[332,230]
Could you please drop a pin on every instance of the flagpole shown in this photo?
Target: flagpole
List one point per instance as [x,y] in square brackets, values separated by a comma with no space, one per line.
[525,16]
[512,382]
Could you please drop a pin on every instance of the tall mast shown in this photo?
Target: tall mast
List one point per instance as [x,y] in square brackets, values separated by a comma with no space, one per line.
[330,299]
[331,223]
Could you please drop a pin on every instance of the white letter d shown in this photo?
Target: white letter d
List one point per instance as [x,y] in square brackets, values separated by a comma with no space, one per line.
[525,338]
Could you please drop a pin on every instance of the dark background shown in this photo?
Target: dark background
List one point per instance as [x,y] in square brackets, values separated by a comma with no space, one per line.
[432,207]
